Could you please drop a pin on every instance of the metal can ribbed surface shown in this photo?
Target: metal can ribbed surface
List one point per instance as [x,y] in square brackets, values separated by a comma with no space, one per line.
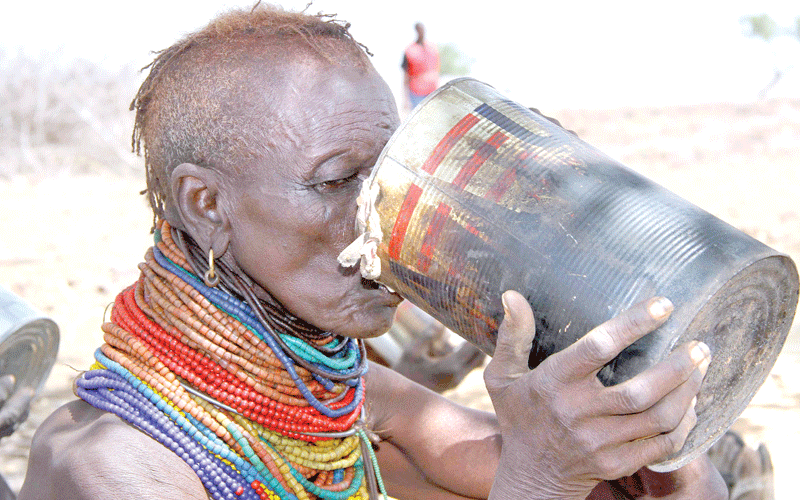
[479,195]
[28,341]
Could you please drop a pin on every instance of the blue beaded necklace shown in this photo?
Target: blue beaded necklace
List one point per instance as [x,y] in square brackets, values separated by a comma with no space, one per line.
[234,457]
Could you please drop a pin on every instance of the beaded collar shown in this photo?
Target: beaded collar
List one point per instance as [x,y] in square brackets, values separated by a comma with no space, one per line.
[257,411]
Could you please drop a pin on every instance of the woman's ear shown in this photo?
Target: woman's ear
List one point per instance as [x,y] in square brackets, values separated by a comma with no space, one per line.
[198,195]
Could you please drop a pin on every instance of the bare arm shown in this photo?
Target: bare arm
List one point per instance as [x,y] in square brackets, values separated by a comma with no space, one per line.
[432,448]
[698,479]
[562,431]
[81,453]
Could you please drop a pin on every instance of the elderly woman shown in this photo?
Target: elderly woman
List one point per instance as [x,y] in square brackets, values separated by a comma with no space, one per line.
[234,367]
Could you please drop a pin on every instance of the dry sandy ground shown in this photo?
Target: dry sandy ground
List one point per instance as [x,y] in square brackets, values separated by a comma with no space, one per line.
[69,243]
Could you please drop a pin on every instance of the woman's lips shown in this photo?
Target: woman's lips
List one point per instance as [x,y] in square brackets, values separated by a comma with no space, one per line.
[387,294]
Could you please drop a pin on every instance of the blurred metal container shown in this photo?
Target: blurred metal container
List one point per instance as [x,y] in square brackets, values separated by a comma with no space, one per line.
[28,341]
[478,195]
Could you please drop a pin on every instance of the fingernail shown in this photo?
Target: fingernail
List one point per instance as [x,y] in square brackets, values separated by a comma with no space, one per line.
[700,352]
[508,317]
[660,308]
[694,402]
[703,367]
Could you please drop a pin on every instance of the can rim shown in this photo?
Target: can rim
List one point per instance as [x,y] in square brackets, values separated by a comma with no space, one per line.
[410,118]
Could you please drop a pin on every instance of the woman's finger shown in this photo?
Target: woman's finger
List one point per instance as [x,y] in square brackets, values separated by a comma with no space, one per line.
[650,387]
[603,343]
[514,339]
[658,447]
[663,417]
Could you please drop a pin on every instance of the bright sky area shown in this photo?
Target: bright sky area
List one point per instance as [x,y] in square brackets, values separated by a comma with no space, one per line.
[543,54]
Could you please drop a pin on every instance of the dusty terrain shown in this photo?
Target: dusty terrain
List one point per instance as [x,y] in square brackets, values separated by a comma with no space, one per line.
[70,242]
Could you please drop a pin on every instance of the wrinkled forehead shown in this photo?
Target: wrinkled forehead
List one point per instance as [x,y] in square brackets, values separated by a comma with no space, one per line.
[300,105]
[258,84]
[331,108]
[285,80]
[287,66]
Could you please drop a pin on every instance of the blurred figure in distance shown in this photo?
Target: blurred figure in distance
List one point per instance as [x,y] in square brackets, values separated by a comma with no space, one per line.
[421,68]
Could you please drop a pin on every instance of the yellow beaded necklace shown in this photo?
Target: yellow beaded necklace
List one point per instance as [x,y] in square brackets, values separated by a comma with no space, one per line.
[195,369]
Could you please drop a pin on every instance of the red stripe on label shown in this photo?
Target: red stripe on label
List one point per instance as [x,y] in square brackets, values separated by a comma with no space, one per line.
[472,229]
[457,266]
[506,179]
[501,186]
[432,236]
[403,218]
[448,141]
[483,153]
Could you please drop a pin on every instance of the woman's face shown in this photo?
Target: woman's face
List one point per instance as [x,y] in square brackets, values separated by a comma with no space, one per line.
[294,212]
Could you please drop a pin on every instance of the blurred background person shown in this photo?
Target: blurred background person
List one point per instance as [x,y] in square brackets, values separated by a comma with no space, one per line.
[421,69]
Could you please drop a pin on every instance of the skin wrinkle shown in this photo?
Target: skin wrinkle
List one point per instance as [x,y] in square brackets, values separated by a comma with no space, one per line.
[351,119]
[313,225]
[196,101]
[285,235]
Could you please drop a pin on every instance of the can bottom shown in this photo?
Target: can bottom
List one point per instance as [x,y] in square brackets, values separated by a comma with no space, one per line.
[745,323]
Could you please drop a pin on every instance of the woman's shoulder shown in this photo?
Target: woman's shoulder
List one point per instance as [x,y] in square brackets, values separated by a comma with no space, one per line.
[80,452]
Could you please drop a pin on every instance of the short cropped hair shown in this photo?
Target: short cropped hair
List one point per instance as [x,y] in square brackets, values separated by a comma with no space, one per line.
[186,109]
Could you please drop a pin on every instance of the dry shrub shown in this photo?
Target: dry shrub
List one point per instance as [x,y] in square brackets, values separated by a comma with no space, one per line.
[64,115]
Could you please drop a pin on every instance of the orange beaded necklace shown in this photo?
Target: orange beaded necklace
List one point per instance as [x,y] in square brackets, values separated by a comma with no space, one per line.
[256,408]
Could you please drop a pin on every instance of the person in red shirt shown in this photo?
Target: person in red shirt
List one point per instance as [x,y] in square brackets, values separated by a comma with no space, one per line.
[258,132]
[421,68]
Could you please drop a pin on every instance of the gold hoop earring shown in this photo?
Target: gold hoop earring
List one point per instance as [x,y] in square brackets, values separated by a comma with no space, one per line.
[211,278]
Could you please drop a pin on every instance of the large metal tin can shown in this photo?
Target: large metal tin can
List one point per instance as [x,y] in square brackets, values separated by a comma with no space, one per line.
[28,341]
[476,194]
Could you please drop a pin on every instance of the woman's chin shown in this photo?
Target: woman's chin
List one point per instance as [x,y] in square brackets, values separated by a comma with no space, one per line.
[369,326]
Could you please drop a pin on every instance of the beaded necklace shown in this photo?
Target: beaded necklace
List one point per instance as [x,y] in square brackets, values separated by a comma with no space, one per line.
[256,409]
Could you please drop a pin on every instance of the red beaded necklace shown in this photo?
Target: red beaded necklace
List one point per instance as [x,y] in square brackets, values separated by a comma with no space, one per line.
[216,369]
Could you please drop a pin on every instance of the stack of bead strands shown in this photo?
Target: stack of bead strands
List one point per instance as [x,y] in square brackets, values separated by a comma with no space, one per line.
[257,414]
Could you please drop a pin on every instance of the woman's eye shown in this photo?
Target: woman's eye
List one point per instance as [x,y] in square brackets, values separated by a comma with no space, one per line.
[336,183]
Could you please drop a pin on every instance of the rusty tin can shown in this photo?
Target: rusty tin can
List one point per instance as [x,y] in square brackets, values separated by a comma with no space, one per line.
[476,194]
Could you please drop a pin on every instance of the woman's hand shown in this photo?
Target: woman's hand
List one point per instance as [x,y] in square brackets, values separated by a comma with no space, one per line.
[563,431]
